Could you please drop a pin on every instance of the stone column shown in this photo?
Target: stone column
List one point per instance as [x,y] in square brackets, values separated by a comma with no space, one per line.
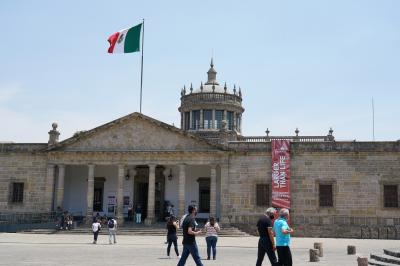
[181,190]
[182,120]
[213,191]
[133,173]
[151,195]
[50,187]
[224,194]
[190,120]
[120,194]
[60,186]
[213,119]
[234,122]
[90,194]
[201,119]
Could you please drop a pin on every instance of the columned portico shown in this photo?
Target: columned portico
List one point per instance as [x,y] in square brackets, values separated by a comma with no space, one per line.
[90,193]
[151,195]
[109,189]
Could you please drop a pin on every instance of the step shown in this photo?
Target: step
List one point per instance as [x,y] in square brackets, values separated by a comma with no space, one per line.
[386,258]
[131,231]
[378,263]
[392,253]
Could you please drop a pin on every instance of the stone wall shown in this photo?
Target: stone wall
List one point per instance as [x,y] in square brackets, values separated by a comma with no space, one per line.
[357,171]
[29,168]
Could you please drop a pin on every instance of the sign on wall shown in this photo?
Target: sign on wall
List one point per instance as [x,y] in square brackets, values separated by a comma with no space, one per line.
[112,202]
[280,173]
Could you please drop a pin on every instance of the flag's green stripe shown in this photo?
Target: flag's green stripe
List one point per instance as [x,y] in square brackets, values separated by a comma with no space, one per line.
[132,39]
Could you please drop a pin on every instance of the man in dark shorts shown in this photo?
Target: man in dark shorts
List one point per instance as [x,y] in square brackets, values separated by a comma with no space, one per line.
[189,239]
[266,243]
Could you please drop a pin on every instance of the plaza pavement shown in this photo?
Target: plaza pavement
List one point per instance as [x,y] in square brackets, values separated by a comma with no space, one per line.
[68,249]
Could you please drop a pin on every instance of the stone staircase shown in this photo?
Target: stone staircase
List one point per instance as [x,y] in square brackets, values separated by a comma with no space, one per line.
[138,230]
[388,258]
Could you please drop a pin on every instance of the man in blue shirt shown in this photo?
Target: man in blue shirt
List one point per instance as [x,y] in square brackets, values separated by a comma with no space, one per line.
[282,233]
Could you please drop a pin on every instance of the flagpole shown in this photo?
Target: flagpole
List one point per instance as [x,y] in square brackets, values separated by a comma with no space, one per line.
[141,70]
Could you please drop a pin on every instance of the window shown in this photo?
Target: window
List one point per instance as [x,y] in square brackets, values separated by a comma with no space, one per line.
[229,120]
[204,194]
[262,195]
[390,196]
[187,120]
[207,117]
[219,115]
[326,195]
[17,195]
[238,122]
[195,119]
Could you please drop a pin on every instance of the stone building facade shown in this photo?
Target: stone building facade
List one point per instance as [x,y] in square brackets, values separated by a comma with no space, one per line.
[339,189]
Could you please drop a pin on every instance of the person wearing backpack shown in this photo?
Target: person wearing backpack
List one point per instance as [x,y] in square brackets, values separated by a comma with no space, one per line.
[112,230]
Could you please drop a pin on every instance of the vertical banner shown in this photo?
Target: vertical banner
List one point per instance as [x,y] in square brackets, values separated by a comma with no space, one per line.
[280,173]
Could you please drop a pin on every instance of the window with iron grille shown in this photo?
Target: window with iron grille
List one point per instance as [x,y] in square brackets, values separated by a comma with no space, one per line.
[17,195]
[390,196]
[326,195]
[262,195]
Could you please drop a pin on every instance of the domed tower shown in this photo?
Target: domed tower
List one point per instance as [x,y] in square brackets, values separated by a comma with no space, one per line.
[212,111]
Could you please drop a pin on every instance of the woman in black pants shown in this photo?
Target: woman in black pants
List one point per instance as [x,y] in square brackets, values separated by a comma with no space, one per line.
[172,226]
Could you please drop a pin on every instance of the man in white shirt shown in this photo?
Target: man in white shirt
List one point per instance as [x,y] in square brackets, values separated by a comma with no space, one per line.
[96,229]
[112,230]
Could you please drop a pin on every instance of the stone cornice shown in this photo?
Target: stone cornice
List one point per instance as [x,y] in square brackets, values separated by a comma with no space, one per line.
[335,146]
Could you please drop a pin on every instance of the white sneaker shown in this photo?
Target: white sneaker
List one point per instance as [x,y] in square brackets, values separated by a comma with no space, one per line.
[169,257]
[179,256]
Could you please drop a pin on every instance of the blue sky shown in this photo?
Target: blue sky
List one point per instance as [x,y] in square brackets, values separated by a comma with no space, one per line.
[306,64]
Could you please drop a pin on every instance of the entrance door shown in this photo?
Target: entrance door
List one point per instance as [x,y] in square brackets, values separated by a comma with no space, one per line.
[98,194]
[141,192]
[141,187]
[204,195]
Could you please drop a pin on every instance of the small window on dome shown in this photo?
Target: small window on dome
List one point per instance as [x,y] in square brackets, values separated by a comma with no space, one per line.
[195,119]
[207,117]
[238,121]
[187,120]
[219,116]
[229,120]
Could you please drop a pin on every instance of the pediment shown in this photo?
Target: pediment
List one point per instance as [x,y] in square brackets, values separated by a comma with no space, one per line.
[135,132]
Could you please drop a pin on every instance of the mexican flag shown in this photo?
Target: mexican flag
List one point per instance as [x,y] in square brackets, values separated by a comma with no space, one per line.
[125,41]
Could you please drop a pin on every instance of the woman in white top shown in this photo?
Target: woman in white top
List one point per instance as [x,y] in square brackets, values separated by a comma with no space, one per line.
[212,229]
[96,229]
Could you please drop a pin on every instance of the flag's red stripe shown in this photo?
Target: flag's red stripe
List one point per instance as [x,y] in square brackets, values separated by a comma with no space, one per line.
[112,40]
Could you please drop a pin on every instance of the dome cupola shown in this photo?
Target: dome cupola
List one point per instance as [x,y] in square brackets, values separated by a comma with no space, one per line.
[211,108]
